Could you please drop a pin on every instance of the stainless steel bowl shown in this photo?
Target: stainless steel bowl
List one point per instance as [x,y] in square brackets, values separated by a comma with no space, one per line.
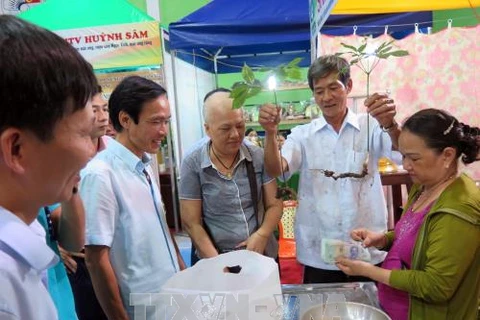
[344,311]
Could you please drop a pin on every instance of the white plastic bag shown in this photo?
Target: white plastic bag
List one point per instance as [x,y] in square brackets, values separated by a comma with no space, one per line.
[205,291]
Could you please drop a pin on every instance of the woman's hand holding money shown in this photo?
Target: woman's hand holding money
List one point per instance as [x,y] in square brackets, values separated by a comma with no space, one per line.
[353,267]
[369,238]
[364,269]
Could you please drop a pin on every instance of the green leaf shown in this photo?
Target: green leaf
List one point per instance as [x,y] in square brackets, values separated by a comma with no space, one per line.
[256,83]
[239,96]
[349,47]
[237,84]
[296,75]
[362,47]
[248,74]
[399,53]
[238,89]
[384,50]
[380,47]
[294,62]
[290,72]
[243,91]
[253,91]
[383,55]
[354,61]
[358,55]
[239,102]
[385,44]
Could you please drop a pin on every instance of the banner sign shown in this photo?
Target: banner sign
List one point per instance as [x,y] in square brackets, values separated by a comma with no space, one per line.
[319,12]
[109,80]
[118,46]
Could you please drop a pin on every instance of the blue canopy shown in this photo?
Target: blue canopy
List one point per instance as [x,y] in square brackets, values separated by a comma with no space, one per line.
[256,31]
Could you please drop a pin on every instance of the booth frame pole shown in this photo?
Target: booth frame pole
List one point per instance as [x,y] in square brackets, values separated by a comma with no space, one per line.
[246,55]
[215,66]
[173,176]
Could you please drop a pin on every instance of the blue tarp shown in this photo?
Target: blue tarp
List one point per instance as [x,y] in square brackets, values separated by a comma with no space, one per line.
[242,28]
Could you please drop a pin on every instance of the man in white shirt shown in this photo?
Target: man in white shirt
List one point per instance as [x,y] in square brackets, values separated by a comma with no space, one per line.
[129,249]
[46,121]
[86,303]
[336,155]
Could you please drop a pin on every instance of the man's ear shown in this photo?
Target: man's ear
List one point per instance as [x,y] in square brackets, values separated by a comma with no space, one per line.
[12,144]
[124,119]
[207,129]
[349,85]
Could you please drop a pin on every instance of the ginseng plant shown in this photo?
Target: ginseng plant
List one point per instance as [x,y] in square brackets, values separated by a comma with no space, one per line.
[251,86]
[366,57]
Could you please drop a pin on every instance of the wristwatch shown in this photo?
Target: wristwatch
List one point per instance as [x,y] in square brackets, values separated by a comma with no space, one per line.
[390,128]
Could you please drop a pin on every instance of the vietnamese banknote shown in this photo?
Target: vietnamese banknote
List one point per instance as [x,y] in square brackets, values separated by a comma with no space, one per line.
[332,249]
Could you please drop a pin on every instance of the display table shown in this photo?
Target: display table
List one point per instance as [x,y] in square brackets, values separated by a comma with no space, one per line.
[396,180]
[299,298]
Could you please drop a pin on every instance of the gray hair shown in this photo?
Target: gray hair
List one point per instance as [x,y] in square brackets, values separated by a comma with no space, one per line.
[327,64]
[208,95]
[207,103]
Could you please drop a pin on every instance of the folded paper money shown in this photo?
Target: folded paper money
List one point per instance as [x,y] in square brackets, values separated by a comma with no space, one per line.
[332,249]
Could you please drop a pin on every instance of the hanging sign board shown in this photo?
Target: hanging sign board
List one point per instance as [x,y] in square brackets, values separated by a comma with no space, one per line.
[319,12]
[109,80]
[117,46]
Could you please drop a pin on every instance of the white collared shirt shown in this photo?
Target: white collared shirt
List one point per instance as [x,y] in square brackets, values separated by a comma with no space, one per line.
[329,208]
[24,259]
[121,214]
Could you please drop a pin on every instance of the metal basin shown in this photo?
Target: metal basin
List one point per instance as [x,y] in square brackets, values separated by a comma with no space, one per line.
[344,311]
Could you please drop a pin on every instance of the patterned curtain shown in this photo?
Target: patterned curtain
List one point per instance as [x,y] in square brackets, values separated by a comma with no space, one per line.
[442,71]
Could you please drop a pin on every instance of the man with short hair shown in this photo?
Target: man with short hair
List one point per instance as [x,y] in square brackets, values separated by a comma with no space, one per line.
[46,121]
[336,194]
[227,200]
[100,109]
[86,303]
[128,248]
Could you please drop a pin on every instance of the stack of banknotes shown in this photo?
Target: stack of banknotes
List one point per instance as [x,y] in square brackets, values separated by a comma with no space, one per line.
[332,249]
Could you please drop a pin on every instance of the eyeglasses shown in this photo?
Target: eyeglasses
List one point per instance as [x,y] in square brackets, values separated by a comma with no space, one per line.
[159,122]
